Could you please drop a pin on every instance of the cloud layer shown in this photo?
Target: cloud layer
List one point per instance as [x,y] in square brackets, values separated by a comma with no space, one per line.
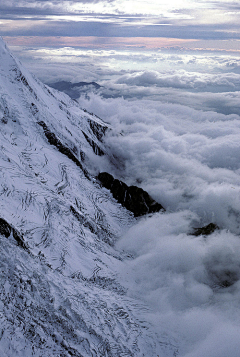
[189,161]
[186,158]
[182,79]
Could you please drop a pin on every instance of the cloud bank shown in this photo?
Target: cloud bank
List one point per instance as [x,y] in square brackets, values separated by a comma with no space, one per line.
[181,278]
[186,158]
[182,79]
[189,161]
[201,80]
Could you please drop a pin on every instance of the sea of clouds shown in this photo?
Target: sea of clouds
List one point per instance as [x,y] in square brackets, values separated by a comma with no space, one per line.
[188,159]
[185,158]
[175,122]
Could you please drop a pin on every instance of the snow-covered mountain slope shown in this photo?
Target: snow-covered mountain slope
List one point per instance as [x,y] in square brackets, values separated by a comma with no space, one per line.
[61,293]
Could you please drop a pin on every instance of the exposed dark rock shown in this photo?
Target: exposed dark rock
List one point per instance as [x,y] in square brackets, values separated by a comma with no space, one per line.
[97,150]
[225,279]
[34,109]
[6,229]
[53,140]
[99,230]
[82,219]
[106,179]
[135,199]
[206,230]
[4,120]
[97,129]
[21,78]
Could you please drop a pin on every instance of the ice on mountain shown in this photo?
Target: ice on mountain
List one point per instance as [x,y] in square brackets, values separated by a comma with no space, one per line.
[63,296]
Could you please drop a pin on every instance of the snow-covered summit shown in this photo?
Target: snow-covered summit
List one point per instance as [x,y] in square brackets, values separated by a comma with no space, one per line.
[60,290]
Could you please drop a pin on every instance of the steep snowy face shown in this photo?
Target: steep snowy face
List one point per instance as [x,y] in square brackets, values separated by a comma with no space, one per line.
[48,147]
[59,285]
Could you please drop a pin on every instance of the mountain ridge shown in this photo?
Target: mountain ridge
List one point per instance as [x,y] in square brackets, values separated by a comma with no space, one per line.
[62,296]
[74,90]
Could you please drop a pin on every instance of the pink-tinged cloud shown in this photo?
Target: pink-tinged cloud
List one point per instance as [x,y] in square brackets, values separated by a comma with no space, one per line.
[97,42]
[146,43]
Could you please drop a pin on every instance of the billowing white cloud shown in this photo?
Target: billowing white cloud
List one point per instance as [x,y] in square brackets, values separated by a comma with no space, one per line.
[207,82]
[181,79]
[189,161]
[180,276]
[186,158]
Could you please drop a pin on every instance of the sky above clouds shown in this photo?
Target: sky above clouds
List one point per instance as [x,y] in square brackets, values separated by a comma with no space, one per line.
[135,22]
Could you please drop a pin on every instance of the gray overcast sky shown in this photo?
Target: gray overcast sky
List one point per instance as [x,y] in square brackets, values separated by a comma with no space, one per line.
[96,23]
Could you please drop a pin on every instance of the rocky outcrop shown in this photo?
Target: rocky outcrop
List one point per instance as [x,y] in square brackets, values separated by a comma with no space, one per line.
[206,230]
[133,198]
[96,149]
[6,230]
[53,140]
[97,129]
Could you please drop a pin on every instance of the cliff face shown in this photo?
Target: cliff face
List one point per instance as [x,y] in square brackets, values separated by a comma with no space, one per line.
[60,294]
[135,199]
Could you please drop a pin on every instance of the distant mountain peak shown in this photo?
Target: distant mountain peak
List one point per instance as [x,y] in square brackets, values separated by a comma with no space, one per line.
[74,90]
